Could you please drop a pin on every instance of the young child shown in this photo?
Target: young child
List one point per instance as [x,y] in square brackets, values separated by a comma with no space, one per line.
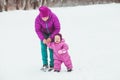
[60,53]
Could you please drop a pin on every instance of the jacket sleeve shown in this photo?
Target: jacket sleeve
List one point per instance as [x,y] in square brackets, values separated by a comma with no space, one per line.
[56,26]
[38,29]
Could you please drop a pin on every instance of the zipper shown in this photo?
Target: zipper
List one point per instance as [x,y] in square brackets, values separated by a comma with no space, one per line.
[47,28]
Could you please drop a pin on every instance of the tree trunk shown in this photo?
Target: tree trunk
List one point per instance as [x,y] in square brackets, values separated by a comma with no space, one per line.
[1,5]
[6,5]
[34,3]
[26,4]
[17,4]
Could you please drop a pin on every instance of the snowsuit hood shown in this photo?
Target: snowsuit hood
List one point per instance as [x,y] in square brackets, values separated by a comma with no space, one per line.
[59,46]
[44,11]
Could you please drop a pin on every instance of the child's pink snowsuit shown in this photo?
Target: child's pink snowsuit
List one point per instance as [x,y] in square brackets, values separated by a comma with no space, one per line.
[60,55]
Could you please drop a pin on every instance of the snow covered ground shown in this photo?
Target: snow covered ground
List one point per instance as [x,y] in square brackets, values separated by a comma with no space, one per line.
[92,33]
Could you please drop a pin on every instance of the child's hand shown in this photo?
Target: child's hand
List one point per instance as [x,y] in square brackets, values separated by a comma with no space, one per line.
[60,51]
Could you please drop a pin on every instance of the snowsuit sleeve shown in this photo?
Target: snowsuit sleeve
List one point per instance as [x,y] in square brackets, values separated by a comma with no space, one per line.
[56,26]
[64,49]
[38,28]
[50,45]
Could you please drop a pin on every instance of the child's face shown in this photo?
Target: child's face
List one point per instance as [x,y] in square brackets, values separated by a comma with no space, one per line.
[57,39]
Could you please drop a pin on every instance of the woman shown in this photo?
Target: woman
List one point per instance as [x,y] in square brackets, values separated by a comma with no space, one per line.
[46,26]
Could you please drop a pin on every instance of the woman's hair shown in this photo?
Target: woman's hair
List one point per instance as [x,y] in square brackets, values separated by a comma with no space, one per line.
[59,35]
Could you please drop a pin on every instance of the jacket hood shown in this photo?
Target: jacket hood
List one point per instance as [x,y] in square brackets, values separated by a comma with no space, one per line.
[44,11]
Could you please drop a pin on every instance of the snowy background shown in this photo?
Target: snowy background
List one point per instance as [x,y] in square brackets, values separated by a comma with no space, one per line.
[92,33]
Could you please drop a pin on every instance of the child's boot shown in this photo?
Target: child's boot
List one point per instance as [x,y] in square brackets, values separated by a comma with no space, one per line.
[69,70]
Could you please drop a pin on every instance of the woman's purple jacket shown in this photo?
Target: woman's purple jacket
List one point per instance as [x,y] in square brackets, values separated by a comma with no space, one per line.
[50,27]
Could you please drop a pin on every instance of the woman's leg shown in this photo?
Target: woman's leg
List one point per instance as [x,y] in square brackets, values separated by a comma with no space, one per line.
[51,58]
[44,53]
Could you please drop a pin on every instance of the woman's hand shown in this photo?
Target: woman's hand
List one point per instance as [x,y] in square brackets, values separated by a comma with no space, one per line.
[49,40]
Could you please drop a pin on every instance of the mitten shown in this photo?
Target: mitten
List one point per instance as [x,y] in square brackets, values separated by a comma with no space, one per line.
[60,51]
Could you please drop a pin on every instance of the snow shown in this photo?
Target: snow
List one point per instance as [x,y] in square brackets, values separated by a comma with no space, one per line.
[92,33]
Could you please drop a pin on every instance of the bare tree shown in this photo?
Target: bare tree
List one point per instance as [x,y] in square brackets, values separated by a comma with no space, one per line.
[1,5]
[27,3]
[17,2]
[117,1]
[34,3]
[6,5]
[43,2]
